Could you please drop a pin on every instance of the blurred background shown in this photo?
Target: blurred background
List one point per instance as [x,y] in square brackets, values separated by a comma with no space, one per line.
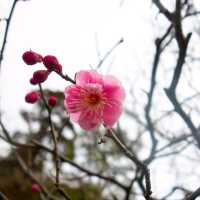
[80,34]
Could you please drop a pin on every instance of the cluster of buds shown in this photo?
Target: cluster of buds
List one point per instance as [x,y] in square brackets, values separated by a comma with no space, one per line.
[51,64]
[33,97]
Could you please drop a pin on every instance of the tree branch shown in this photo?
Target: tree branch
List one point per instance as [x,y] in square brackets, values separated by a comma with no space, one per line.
[8,20]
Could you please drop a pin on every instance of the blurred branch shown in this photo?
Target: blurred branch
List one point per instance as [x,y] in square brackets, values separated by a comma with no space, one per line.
[9,139]
[36,144]
[173,142]
[55,139]
[111,134]
[171,95]
[3,197]
[128,192]
[150,124]
[88,172]
[193,195]
[182,42]
[54,135]
[162,9]
[28,172]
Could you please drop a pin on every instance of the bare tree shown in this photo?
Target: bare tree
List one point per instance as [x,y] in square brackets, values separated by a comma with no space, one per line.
[111,165]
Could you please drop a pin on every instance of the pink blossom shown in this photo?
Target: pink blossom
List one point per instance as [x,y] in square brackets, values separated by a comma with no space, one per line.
[94,99]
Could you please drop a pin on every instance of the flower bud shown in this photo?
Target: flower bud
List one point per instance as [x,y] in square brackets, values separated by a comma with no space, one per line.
[50,62]
[35,187]
[31,57]
[58,68]
[33,81]
[40,76]
[52,101]
[32,97]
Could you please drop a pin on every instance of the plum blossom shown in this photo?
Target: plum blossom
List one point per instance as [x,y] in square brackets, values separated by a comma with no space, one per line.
[94,99]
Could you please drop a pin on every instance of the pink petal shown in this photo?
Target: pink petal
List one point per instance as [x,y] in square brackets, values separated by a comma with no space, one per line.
[73,99]
[85,77]
[89,120]
[75,116]
[113,88]
[111,114]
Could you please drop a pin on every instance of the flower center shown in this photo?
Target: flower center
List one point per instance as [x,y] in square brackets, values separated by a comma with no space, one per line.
[93,99]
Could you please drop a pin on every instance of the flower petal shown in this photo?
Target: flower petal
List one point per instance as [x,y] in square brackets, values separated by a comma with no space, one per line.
[75,116]
[73,99]
[85,77]
[89,120]
[113,88]
[111,114]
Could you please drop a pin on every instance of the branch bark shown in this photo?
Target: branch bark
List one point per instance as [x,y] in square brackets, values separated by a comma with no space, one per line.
[8,21]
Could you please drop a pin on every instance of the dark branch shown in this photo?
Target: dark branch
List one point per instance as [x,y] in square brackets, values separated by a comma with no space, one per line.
[8,20]
[194,195]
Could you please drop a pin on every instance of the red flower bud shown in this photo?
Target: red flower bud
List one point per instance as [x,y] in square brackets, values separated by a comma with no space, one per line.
[31,57]
[35,187]
[58,68]
[40,76]
[32,97]
[50,62]
[33,81]
[52,101]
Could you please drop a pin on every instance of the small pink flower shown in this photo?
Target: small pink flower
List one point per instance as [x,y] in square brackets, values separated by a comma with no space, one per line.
[35,187]
[94,99]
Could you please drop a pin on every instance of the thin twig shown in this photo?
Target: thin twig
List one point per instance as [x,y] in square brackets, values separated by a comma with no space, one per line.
[148,107]
[88,172]
[9,139]
[194,195]
[182,42]
[110,133]
[109,52]
[7,20]
[36,144]
[3,197]
[66,77]
[54,135]
[55,140]
[28,172]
